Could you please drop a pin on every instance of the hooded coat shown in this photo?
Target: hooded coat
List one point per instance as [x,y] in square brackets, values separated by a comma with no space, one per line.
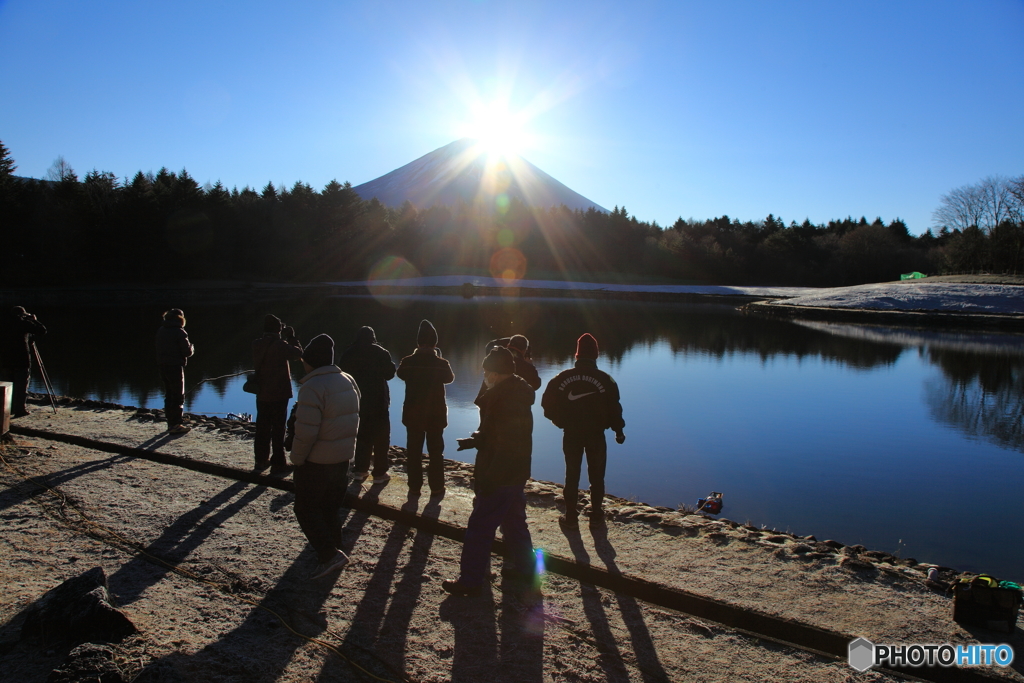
[270,356]
[370,365]
[504,441]
[425,373]
[172,344]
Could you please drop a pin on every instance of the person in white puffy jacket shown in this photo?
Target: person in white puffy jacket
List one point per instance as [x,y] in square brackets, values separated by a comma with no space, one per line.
[326,422]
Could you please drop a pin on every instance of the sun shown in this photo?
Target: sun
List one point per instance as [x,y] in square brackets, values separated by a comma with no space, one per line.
[498,130]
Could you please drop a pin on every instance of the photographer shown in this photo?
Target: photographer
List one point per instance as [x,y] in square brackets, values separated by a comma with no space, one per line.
[270,356]
[504,443]
[173,349]
[19,331]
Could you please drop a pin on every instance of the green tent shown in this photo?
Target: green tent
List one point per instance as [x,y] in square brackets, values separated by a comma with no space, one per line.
[912,276]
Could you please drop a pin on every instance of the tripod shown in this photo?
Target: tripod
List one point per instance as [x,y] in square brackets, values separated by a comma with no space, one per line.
[46,378]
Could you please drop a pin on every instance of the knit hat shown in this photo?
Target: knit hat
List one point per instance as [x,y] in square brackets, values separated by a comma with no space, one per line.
[365,336]
[427,335]
[271,323]
[586,346]
[173,313]
[519,343]
[319,351]
[500,360]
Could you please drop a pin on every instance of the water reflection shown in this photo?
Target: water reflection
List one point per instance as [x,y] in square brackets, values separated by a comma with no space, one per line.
[798,423]
[981,396]
[107,352]
[981,391]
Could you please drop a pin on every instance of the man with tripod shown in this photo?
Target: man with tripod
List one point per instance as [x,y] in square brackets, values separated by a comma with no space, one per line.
[19,333]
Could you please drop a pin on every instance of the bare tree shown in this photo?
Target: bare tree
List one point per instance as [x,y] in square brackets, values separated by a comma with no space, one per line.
[1015,189]
[995,195]
[60,170]
[960,208]
[984,205]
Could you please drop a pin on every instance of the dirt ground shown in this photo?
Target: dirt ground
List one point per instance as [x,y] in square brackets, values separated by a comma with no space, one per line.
[220,591]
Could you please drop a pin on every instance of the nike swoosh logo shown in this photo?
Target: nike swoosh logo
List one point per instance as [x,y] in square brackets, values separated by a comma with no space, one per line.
[573,397]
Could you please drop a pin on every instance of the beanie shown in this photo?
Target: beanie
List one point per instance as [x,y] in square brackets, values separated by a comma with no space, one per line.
[427,335]
[519,343]
[365,336]
[586,346]
[500,360]
[319,352]
[272,323]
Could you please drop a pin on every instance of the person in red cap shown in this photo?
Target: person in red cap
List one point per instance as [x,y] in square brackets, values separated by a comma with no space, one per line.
[584,401]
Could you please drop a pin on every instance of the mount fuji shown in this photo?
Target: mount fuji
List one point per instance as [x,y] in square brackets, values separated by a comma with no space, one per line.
[463,171]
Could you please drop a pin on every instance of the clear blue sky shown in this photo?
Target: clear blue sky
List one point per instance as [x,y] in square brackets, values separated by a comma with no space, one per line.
[696,109]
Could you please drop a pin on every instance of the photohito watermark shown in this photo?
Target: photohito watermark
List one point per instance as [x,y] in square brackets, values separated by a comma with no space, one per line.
[863,654]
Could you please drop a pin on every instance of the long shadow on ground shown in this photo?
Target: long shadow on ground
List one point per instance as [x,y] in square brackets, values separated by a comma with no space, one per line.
[632,615]
[260,648]
[179,540]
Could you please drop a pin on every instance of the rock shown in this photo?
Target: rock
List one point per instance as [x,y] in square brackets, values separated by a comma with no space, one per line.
[78,609]
[856,565]
[88,663]
[800,548]
[776,539]
[834,544]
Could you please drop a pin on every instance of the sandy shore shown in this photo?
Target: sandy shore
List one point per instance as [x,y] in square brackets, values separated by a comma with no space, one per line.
[386,613]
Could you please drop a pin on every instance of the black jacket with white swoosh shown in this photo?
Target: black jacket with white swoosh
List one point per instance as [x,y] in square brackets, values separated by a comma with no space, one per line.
[583,398]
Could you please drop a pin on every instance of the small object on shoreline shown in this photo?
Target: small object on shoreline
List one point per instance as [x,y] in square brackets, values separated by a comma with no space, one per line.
[933,574]
[711,505]
[241,417]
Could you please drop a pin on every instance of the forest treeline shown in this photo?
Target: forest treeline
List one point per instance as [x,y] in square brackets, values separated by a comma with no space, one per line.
[165,227]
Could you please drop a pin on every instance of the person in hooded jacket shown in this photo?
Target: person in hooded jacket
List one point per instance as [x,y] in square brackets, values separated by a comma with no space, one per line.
[371,366]
[425,412]
[19,331]
[173,349]
[584,401]
[270,356]
[326,423]
[519,345]
[504,446]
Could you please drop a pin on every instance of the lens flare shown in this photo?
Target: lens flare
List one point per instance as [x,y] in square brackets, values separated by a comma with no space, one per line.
[508,264]
[382,285]
[505,238]
[501,203]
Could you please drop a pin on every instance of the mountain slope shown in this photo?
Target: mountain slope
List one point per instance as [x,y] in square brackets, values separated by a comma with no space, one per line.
[461,171]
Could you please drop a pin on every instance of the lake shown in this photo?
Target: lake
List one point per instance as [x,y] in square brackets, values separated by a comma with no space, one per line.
[906,441]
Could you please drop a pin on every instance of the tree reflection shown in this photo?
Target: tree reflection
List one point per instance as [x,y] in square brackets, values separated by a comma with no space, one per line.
[982,396]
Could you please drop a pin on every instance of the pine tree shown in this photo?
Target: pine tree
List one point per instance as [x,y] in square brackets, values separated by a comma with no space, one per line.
[7,166]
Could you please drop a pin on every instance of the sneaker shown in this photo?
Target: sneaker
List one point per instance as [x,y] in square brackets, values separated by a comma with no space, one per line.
[437,493]
[325,568]
[260,466]
[597,518]
[280,470]
[357,476]
[459,588]
[570,523]
[179,429]
[382,479]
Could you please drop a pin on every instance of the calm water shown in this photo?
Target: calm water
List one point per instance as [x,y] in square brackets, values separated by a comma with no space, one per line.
[903,441]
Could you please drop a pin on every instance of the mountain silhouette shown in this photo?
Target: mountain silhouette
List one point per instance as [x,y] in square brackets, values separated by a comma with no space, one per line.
[463,172]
